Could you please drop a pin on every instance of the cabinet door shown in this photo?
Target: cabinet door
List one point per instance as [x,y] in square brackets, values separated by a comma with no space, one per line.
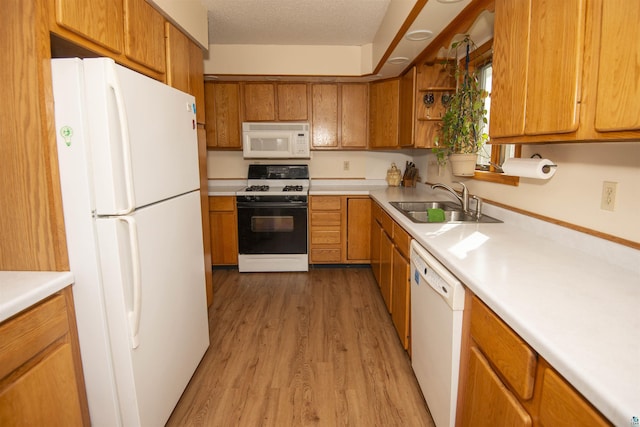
[406,118]
[177,58]
[258,102]
[487,402]
[383,113]
[358,229]
[555,64]
[354,102]
[510,53]
[400,300]
[144,35]
[324,110]
[562,406]
[224,238]
[45,394]
[376,235]
[223,222]
[100,21]
[292,101]
[386,269]
[618,95]
[222,111]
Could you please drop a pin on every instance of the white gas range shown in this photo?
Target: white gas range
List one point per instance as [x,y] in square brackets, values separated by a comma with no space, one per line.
[272,219]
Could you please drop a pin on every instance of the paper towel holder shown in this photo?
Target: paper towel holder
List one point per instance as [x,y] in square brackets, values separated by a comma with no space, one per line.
[545,168]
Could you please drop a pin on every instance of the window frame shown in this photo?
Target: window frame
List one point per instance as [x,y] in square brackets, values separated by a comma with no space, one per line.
[479,57]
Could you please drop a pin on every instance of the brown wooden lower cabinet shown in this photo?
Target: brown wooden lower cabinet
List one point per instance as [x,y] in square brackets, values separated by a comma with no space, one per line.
[223,220]
[391,268]
[506,383]
[339,229]
[41,380]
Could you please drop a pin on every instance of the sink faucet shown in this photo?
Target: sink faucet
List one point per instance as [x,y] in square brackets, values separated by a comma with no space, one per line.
[464,199]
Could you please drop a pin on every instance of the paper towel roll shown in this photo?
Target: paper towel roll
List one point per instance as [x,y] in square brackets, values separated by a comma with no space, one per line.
[529,168]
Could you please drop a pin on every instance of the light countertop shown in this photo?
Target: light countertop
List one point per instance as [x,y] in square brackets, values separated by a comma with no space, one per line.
[574,298]
[21,289]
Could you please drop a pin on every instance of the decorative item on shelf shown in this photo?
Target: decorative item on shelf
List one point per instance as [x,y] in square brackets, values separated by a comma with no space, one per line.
[429,99]
[460,136]
[393,176]
[445,99]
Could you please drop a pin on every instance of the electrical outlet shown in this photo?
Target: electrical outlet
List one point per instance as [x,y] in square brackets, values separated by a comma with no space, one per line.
[608,201]
[346,165]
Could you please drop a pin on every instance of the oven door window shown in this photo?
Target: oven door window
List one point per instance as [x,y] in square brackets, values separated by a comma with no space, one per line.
[267,224]
[272,230]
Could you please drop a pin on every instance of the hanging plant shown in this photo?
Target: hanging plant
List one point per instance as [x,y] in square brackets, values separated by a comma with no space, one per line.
[461,130]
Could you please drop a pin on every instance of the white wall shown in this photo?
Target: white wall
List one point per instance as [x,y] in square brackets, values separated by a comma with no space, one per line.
[190,16]
[322,165]
[573,194]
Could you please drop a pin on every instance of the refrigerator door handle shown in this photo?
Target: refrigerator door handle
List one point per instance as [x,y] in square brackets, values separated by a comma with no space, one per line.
[134,313]
[113,83]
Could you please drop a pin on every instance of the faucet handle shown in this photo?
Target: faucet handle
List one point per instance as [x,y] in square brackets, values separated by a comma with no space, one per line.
[478,206]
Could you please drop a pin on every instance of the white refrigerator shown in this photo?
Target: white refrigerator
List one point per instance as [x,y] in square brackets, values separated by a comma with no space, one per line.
[127,151]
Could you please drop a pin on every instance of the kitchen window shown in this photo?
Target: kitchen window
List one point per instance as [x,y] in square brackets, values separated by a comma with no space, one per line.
[490,156]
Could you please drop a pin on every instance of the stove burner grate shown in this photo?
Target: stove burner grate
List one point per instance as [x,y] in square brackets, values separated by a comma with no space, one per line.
[292,188]
[258,188]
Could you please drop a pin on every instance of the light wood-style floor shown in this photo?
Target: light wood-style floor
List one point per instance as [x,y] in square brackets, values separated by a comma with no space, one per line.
[298,349]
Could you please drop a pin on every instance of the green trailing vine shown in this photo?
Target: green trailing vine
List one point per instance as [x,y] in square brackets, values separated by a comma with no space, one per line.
[463,118]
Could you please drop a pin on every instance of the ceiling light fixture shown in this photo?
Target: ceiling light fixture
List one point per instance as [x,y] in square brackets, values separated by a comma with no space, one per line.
[419,35]
[398,60]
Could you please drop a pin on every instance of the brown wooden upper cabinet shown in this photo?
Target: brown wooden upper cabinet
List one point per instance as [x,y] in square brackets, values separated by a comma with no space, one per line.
[618,94]
[565,71]
[222,110]
[144,35]
[339,115]
[384,106]
[129,31]
[391,112]
[99,21]
[275,101]
[185,67]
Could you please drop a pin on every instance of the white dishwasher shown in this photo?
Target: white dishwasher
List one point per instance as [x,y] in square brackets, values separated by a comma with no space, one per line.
[437,303]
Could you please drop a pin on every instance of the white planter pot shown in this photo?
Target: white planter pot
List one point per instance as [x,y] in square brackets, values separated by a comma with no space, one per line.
[463,164]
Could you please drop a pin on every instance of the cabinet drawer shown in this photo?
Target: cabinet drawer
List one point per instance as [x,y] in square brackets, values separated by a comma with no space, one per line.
[222,203]
[511,356]
[326,255]
[402,239]
[387,223]
[326,218]
[376,212]
[561,405]
[326,203]
[25,335]
[325,236]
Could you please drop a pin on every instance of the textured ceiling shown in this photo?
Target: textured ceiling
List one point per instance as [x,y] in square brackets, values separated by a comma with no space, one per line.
[295,22]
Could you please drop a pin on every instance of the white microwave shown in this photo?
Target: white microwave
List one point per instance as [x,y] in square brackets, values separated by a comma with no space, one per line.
[275,140]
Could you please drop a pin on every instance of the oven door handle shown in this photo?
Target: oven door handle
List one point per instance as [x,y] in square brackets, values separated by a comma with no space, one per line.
[289,205]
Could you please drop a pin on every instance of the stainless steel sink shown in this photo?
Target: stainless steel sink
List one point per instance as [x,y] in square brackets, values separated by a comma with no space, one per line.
[417,212]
